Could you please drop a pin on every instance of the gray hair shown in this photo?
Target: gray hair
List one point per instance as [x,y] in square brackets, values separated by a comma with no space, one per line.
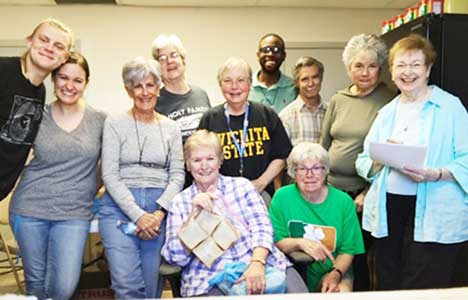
[365,42]
[306,61]
[233,63]
[305,151]
[138,69]
[166,40]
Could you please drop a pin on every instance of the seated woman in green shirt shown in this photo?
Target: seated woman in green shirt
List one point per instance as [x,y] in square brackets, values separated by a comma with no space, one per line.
[318,219]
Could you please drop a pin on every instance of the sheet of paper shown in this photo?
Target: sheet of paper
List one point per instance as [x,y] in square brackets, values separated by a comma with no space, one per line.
[398,155]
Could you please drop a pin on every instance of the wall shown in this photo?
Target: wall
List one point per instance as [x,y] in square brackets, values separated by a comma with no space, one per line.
[110,36]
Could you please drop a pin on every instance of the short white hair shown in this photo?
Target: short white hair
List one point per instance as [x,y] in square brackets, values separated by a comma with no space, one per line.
[233,63]
[138,69]
[303,152]
[165,40]
[365,42]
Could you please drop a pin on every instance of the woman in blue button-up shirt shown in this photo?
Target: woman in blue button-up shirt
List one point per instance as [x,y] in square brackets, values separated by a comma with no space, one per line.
[418,216]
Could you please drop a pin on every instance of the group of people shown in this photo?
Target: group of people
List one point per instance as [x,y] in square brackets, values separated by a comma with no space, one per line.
[172,154]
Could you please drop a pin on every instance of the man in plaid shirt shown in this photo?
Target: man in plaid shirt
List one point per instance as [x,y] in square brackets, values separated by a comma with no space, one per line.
[303,118]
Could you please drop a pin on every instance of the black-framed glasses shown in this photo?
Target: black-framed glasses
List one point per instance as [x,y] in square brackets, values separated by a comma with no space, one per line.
[315,170]
[274,50]
[165,57]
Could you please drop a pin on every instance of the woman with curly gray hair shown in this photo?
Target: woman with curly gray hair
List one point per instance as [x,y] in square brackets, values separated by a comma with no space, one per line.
[348,119]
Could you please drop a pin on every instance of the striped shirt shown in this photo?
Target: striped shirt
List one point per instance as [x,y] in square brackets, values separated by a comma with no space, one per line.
[301,123]
[245,209]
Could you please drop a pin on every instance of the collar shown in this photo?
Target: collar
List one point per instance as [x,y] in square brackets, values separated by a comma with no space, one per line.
[347,90]
[299,104]
[282,82]
[436,97]
[220,185]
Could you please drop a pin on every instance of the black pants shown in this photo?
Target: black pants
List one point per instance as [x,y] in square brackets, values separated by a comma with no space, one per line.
[362,276]
[402,263]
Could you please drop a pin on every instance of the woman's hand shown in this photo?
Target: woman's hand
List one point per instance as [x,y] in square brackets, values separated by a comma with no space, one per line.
[259,184]
[148,226]
[331,282]
[204,200]
[254,277]
[159,215]
[422,175]
[315,249]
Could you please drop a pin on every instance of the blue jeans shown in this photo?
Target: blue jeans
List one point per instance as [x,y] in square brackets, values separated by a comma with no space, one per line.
[134,263]
[52,253]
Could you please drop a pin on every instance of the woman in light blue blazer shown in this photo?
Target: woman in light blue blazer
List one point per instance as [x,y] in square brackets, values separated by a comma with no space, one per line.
[418,216]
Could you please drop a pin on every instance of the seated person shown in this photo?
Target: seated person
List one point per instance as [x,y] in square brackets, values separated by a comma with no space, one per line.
[318,219]
[142,169]
[239,201]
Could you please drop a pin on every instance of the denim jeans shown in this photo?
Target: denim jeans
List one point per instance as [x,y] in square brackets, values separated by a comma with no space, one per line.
[52,253]
[134,263]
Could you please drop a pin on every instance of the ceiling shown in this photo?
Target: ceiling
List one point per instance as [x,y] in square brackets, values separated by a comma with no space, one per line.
[382,4]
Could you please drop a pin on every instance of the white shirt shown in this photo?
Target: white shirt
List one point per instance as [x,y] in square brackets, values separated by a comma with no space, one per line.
[407,130]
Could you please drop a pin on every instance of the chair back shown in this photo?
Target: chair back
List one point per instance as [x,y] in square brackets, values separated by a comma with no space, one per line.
[4,210]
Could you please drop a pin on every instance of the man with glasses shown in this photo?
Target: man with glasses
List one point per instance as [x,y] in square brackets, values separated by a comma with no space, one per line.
[270,86]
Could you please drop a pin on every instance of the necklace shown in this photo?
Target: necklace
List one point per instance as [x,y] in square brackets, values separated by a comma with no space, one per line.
[406,120]
[141,146]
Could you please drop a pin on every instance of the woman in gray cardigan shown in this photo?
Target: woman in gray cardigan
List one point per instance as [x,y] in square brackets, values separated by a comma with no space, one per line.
[143,169]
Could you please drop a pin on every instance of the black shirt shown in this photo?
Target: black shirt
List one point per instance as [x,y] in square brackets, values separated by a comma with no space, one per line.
[266,140]
[21,105]
[186,109]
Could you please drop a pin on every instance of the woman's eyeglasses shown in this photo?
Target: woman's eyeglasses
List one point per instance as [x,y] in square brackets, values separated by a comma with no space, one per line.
[315,170]
[165,57]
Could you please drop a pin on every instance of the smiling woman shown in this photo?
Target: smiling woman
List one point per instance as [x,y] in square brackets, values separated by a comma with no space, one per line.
[311,203]
[418,216]
[254,141]
[70,82]
[235,199]
[49,226]
[142,170]
[180,101]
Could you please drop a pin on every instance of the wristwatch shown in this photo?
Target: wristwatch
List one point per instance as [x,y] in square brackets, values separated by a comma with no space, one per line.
[338,271]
